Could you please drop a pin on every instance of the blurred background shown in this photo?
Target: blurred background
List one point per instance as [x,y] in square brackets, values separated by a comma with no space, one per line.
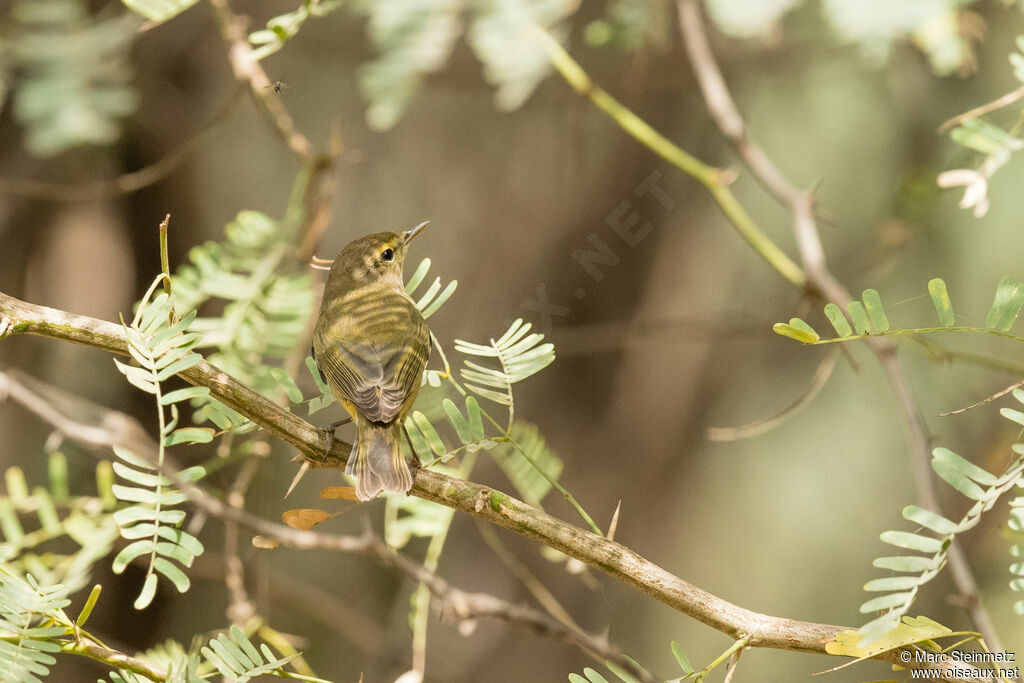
[671,339]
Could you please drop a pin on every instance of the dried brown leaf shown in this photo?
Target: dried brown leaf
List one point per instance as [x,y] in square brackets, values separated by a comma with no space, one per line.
[265,543]
[343,492]
[304,518]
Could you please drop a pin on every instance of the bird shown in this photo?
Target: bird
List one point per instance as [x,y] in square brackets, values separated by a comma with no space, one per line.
[371,345]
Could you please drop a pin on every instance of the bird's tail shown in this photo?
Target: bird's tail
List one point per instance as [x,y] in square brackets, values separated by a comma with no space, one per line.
[377,462]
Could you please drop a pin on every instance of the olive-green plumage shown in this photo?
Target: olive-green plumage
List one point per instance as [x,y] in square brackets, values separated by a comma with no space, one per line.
[371,344]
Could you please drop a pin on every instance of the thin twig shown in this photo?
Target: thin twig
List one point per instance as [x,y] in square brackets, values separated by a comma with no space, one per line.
[716,180]
[766,424]
[998,103]
[819,279]
[730,670]
[989,399]
[539,591]
[249,71]
[240,607]
[296,596]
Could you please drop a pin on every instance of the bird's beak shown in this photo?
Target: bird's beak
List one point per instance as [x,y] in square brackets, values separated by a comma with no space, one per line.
[409,234]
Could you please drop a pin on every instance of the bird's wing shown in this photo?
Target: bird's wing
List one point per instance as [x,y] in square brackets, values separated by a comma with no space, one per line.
[378,376]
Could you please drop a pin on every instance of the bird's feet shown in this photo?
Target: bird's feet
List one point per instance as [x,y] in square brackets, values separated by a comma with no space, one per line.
[328,431]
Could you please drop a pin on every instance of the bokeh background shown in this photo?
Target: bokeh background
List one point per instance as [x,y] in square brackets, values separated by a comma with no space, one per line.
[673,339]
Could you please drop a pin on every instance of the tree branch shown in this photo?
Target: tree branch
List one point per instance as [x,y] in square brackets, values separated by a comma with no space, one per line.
[761,630]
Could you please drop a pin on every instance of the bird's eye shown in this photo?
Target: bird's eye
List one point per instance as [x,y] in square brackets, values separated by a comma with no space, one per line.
[388,255]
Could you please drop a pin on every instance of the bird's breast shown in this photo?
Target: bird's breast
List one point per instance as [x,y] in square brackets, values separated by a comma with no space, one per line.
[374,315]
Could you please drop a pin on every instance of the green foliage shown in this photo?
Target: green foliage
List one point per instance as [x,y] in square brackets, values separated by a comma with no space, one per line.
[519,355]
[434,297]
[503,36]
[286,26]
[416,38]
[326,397]
[181,665]
[73,88]
[916,570]
[161,345]
[265,308]
[87,521]
[36,628]
[919,632]
[875,26]
[428,444]
[935,27]
[1007,305]
[630,24]
[747,20]
[985,138]
[1016,524]
[231,654]
[27,615]
[868,317]
[238,660]
[159,10]
[995,145]
[682,659]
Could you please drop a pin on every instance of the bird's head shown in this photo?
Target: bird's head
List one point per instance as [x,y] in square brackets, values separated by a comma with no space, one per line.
[374,258]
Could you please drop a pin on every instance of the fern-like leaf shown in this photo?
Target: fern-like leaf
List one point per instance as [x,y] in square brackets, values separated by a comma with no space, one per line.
[413,40]
[238,660]
[27,615]
[159,10]
[1006,306]
[503,36]
[591,675]
[160,345]
[900,591]
[434,297]
[427,442]
[868,318]
[74,84]
[910,631]
[284,27]
[264,316]
[519,356]
[85,520]
[1016,524]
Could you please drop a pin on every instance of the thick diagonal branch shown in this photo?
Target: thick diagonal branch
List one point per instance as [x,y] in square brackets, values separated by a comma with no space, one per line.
[483,502]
